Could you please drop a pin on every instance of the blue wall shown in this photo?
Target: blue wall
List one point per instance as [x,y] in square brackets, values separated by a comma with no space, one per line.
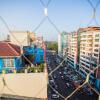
[39,55]
[17,64]
[1,64]
[98,84]
[28,50]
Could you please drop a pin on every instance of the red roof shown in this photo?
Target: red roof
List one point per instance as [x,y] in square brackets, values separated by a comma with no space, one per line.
[9,49]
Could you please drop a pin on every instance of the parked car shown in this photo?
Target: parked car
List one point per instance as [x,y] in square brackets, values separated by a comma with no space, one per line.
[68,85]
[55,96]
[54,76]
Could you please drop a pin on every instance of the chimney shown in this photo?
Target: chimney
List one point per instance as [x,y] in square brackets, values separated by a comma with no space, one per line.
[8,37]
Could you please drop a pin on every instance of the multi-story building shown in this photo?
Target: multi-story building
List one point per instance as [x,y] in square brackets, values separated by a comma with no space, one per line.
[89,48]
[69,48]
[89,52]
[72,48]
[62,43]
[82,51]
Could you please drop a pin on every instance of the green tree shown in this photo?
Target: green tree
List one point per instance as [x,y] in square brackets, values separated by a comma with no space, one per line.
[52,46]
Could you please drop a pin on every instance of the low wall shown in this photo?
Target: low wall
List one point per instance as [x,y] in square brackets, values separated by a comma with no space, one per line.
[24,84]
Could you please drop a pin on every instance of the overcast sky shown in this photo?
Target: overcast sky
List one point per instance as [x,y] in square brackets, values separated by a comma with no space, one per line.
[67,15]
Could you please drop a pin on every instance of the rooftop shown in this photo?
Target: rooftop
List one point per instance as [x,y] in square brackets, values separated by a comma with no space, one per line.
[9,49]
[88,29]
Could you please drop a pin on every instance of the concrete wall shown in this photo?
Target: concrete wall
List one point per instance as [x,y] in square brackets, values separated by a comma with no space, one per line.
[21,37]
[24,84]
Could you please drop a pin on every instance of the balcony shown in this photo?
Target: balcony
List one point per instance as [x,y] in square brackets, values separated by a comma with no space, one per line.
[85,60]
[86,63]
[89,38]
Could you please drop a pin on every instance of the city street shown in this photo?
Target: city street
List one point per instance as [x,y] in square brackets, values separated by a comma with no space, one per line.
[50,49]
[65,80]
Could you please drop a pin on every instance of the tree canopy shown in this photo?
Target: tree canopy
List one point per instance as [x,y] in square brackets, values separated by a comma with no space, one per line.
[52,46]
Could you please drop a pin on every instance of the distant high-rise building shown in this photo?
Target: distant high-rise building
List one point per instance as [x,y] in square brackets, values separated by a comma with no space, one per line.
[69,47]
[59,44]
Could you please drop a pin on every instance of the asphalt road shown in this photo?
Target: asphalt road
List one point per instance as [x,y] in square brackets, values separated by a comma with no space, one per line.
[65,80]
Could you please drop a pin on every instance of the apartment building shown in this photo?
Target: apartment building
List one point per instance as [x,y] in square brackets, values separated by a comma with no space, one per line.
[82,51]
[64,38]
[69,47]
[72,54]
[89,49]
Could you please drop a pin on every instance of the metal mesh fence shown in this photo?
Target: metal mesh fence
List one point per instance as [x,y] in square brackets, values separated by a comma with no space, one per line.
[46,16]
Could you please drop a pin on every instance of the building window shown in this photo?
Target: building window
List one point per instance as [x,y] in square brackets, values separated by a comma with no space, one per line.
[96,50]
[8,62]
[84,36]
[89,54]
[96,55]
[83,52]
[96,45]
[96,40]
[97,35]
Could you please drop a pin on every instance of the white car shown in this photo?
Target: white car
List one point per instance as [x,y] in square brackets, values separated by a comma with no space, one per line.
[51,81]
[68,85]
[55,96]
[59,72]
[54,76]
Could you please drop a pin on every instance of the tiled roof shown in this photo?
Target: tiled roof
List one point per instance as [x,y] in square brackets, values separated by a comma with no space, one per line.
[9,49]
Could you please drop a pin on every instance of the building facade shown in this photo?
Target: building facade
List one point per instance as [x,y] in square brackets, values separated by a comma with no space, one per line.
[89,53]
[82,51]
[71,51]
[62,43]
[22,38]
[69,47]
[89,48]
[10,56]
[59,44]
